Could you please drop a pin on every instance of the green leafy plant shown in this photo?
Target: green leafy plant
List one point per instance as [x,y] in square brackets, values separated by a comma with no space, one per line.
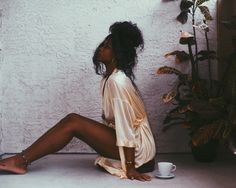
[200,105]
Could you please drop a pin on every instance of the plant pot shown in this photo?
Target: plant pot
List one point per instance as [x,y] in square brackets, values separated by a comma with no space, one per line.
[206,152]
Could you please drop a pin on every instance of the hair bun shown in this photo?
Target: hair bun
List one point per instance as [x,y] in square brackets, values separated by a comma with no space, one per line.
[128,33]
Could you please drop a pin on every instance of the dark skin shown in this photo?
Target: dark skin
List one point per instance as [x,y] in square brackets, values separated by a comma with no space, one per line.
[107,57]
[95,134]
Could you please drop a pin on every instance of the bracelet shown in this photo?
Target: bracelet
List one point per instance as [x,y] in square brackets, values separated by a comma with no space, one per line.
[26,162]
[129,162]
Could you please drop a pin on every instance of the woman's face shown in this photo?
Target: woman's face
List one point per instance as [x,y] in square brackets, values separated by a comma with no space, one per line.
[105,54]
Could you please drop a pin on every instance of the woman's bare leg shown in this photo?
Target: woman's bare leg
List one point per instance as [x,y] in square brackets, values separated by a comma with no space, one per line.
[100,137]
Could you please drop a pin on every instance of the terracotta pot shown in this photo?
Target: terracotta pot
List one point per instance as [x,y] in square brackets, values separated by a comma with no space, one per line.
[206,152]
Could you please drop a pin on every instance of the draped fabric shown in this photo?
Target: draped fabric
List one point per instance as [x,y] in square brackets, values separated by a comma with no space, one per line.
[124,111]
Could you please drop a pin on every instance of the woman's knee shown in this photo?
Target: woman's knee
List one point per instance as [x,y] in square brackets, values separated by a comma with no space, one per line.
[72,117]
[72,121]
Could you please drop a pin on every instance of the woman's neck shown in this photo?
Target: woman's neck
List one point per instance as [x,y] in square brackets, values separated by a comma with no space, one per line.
[109,69]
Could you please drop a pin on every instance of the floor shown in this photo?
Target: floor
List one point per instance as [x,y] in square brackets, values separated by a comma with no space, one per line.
[77,170]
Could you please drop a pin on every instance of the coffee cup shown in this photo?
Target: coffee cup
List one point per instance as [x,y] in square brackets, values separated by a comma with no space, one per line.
[165,168]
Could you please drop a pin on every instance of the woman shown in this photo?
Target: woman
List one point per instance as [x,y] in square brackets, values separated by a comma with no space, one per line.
[124,140]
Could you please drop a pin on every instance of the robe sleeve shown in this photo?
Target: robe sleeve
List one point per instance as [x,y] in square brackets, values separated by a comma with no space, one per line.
[120,92]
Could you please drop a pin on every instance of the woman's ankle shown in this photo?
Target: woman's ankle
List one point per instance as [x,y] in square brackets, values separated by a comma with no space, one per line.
[20,162]
[26,162]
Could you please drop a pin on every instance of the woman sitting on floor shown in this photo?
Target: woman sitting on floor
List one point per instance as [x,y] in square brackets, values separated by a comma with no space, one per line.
[124,141]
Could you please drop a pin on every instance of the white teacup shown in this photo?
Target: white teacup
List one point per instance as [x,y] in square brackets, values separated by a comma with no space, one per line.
[165,168]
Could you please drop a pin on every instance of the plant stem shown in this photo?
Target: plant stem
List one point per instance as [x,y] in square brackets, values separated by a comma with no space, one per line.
[196,46]
[192,62]
[209,61]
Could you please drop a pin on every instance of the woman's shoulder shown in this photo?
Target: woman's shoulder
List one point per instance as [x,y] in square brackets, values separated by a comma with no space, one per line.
[119,78]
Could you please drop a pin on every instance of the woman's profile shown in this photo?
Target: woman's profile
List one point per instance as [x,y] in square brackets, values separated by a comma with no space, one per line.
[124,140]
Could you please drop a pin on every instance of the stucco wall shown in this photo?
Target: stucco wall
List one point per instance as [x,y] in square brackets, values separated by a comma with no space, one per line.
[1,94]
[47,72]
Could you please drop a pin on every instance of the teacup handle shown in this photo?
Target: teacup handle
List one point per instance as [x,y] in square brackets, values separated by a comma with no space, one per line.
[173,168]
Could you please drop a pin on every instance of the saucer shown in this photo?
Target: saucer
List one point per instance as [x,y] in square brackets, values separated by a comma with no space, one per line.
[171,175]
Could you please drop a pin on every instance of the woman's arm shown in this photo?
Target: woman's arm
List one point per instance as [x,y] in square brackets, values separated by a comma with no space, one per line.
[132,173]
[129,158]
[120,89]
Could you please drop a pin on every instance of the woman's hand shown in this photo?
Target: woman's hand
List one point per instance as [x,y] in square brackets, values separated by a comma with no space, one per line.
[131,171]
[134,174]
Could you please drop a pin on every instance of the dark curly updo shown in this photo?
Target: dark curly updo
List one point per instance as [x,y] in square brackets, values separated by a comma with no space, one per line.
[126,37]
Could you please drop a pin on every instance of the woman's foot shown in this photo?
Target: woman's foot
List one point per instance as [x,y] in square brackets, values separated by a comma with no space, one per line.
[15,164]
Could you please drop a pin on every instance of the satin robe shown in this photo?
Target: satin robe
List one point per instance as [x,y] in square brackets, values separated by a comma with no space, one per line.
[124,111]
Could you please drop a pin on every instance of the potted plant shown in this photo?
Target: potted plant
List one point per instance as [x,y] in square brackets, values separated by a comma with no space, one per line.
[200,105]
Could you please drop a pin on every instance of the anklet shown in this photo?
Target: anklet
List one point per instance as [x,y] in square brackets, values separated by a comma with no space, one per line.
[26,162]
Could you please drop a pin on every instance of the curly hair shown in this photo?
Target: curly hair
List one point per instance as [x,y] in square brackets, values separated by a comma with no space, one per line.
[126,37]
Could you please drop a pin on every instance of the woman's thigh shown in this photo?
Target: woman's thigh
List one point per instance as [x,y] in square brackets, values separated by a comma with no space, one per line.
[97,135]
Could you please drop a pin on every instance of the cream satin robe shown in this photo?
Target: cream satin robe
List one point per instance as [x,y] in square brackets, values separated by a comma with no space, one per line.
[124,111]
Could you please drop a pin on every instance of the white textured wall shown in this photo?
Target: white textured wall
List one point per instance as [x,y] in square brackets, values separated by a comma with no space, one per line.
[46,69]
[1,83]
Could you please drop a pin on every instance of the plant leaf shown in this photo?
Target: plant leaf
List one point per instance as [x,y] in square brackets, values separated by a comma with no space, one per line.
[180,56]
[184,93]
[185,5]
[174,110]
[187,38]
[227,130]
[168,70]
[200,90]
[199,2]
[167,97]
[184,109]
[167,0]
[208,132]
[219,102]
[174,122]
[205,11]
[204,54]
[202,58]
[205,110]
[186,125]
[232,114]
[172,117]
[182,17]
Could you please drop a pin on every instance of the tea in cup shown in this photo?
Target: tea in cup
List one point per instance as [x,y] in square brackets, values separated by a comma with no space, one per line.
[165,168]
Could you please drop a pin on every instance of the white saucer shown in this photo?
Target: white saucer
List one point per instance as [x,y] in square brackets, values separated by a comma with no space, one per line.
[165,177]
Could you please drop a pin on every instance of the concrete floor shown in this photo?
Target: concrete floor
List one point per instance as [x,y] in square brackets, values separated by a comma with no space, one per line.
[77,170]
